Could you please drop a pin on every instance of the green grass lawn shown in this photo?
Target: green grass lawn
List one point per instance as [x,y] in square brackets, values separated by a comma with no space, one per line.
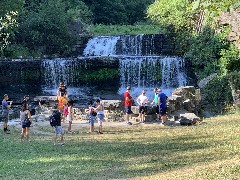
[206,151]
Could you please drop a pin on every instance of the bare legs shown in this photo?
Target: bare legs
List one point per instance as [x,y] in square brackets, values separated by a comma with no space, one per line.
[25,132]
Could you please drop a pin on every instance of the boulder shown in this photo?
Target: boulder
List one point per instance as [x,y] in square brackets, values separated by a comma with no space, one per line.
[187,119]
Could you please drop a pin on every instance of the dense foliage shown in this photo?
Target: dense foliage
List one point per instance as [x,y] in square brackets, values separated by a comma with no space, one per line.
[44,26]
[118,11]
[193,26]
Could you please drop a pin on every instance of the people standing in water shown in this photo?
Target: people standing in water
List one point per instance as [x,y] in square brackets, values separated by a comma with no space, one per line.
[142,101]
[155,102]
[128,102]
[100,115]
[26,121]
[5,113]
[162,103]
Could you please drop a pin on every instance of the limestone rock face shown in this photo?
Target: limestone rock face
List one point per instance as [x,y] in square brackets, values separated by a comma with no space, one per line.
[232,19]
[184,98]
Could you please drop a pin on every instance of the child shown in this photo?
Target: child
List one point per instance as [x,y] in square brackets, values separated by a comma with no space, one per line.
[100,115]
[70,117]
[58,128]
[89,111]
[26,121]
[65,112]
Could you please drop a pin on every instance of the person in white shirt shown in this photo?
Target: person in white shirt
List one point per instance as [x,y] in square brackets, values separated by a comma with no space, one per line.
[142,101]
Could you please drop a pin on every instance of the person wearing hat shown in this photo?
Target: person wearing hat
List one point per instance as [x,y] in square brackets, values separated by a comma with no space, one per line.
[128,102]
[5,113]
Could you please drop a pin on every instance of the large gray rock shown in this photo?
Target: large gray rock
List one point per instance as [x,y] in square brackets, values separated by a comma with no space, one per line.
[187,119]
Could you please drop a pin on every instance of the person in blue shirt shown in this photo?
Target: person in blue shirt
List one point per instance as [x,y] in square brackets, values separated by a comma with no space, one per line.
[162,103]
[5,113]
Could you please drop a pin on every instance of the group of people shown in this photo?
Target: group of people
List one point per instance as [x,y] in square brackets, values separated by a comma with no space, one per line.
[160,101]
[25,116]
[95,109]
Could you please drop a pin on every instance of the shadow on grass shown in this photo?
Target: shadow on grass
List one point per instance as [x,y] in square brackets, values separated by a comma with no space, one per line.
[96,158]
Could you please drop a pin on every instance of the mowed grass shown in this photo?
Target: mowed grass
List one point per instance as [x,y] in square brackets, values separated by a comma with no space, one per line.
[206,151]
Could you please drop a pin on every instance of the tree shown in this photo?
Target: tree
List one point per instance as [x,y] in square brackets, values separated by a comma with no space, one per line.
[173,12]
[45,25]
[214,8]
[118,11]
[7,23]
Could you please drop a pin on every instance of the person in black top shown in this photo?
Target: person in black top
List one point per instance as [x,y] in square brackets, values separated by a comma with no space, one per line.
[62,90]
[25,102]
[58,128]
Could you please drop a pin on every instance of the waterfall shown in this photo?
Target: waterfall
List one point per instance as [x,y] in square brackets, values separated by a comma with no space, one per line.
[101,46]
[133,45]
[141,64]
[137,57]
[147,72]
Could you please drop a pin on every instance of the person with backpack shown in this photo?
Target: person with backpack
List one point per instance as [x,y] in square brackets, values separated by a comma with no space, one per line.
[100,115]
[26,121]
[90,114]
[55,121]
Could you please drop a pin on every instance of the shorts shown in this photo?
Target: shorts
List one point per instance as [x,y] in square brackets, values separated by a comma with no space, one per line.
[142,109]
[69,117]
[162,111]
[26,125]
[59,130]
[91,119]
[100,118]
[128,110]
[5,117]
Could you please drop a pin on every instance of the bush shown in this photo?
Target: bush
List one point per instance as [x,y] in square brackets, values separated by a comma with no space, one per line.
[217,94]
[230,60]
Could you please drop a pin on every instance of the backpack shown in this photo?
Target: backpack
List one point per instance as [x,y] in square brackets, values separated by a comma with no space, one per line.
[52,120]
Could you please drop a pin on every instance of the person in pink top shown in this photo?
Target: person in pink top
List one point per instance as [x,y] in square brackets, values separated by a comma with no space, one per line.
[128,102]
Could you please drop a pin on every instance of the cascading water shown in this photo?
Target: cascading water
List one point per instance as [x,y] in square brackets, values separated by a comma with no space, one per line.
[138,65]
[138,59]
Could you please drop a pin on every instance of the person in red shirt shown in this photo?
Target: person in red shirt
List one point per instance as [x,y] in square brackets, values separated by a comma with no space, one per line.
[128,102]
